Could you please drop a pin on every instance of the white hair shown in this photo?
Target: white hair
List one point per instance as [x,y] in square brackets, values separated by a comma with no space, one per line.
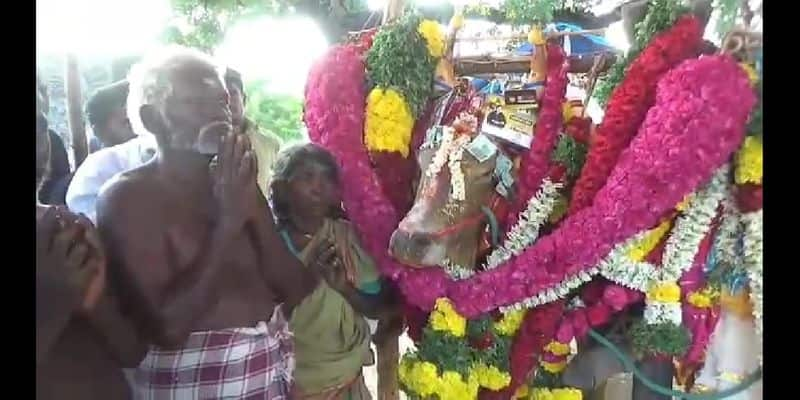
[148,80]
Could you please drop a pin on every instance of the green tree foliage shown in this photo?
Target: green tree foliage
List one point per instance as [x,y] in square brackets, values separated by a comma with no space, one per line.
[278,113]
[525,12]
[208,20]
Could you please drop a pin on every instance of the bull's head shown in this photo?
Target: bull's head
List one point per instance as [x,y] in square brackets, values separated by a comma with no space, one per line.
[446,222]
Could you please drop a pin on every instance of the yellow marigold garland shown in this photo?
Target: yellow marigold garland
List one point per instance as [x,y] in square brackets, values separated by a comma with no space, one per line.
[750,161]
[665,292]
[510,323]
[445,318]
[431,31]
[684,203]
[558,348]
[453,387]
[555,394]
[703,298]
[422,378]
[554,368]
[649,242]
[389,124]
[489,377]
[751,72]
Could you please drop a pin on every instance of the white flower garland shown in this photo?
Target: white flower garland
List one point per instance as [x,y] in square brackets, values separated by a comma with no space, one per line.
[526,230]
[679,251]
[726,241]
[657,312]
[457,184]
[692,227]
[456,272]
[440,157]
[682,245]
[754,264]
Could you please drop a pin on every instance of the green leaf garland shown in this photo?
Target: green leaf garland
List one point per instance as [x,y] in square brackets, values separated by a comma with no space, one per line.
[570,154]
[659,339]
[399,59]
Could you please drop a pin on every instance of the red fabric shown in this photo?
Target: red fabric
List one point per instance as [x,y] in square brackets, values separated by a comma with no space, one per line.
[750,197]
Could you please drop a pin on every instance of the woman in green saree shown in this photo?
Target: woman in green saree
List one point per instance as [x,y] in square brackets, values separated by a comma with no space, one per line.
[331,331]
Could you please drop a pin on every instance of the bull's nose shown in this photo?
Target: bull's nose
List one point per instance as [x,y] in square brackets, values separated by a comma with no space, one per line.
[408,247]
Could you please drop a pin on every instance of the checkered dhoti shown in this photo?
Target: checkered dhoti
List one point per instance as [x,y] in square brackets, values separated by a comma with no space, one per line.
[243,363]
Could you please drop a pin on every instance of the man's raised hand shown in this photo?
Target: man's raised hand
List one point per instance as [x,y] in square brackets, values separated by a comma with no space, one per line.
[235,182]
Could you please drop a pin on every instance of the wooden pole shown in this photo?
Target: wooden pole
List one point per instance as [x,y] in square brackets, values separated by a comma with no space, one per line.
[593,73]
[388,361]
[393,10]
[77,127]
[548,36]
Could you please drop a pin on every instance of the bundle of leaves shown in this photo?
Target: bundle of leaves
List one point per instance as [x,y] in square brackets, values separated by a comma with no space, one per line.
[399,59]
[662,339]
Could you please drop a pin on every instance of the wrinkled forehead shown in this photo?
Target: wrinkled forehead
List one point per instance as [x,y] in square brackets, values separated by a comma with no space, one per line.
[196,79]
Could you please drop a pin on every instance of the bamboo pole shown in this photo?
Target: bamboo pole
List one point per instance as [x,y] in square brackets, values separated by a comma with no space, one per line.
[593,74]
[393,10]
[77,127]
[551,35]
[480,65]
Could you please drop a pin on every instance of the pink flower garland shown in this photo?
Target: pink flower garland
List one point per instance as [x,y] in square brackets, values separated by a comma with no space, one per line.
[698,121]
[696,124]
[535,163]
[629,104]
[334,115]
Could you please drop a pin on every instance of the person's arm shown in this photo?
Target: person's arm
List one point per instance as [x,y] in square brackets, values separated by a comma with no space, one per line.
[55,303]
[372,306]
[121,336]
[284,272]
[142,256]
[62,277]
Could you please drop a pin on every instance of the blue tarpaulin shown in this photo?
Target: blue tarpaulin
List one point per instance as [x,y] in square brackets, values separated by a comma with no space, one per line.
[579,44]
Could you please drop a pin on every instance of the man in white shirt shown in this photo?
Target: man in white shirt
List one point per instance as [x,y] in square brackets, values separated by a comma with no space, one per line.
[99,168]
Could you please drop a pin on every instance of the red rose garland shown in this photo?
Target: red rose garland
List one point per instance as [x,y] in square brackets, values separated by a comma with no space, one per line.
[536,162]
[629,104]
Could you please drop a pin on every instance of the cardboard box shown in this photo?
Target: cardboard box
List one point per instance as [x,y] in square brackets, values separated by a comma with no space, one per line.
[617,387]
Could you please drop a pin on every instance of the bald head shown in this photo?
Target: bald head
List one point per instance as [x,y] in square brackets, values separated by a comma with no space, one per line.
[175,94]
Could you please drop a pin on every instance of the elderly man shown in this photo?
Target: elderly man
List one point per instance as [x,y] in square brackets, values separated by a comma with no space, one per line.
[82,339]
[103,165]
[204,271]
